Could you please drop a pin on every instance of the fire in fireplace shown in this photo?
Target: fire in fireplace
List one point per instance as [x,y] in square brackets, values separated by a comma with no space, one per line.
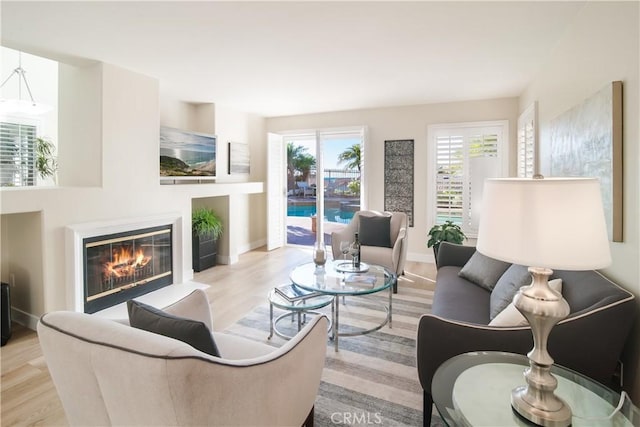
[121,266]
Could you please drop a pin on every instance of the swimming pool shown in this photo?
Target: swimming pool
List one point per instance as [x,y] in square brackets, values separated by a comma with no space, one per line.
[331,214]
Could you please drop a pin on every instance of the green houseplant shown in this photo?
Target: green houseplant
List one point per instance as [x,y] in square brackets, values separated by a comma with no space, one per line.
[447,232]
[46,162]
[206,228]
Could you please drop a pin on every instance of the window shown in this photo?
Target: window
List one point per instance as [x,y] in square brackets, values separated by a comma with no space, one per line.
[17,154]
[527,142]
[464,155]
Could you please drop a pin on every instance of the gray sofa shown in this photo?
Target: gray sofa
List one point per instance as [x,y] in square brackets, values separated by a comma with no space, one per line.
[590,340]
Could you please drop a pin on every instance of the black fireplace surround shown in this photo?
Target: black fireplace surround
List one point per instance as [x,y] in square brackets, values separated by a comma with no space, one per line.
[121,266]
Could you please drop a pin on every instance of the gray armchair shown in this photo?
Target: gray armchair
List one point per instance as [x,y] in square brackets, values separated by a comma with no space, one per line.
[590,340]
[393,257]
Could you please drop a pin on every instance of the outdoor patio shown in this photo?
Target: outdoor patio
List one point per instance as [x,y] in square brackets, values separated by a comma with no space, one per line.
[299,231]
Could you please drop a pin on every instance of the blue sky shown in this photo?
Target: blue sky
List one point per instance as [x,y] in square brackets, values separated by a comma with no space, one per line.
[332,149]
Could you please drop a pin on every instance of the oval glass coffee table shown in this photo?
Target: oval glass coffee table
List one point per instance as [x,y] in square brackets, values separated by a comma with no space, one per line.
[475,389]
[338,278]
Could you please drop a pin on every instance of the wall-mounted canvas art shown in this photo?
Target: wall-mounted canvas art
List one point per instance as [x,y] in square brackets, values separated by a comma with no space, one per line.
[186,154]
[587,141]
[239,158]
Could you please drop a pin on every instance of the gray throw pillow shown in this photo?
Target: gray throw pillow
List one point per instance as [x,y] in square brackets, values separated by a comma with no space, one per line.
[508,285]
[192,332]
[483,271]
[375,231]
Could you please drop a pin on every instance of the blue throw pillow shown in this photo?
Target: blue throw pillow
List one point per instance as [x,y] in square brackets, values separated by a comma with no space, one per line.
[192,332]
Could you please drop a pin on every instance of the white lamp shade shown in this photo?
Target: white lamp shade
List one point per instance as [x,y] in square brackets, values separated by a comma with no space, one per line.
[555,223]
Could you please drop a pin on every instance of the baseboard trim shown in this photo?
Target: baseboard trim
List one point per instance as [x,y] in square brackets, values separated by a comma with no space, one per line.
[419,257]
[23,318]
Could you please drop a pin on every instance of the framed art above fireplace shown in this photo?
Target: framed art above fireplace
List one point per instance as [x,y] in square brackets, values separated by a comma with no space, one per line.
[187,155]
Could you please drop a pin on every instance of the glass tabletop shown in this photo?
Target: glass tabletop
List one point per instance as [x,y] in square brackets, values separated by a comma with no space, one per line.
[329,280]
[311,303]
[475,389]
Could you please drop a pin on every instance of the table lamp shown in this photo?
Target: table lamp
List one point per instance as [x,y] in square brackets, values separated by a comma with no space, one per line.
[543,223]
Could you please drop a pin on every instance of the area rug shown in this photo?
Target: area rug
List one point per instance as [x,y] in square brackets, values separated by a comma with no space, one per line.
[372,379]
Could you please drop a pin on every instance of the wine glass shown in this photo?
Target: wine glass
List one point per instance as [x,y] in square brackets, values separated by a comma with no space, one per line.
[344,248]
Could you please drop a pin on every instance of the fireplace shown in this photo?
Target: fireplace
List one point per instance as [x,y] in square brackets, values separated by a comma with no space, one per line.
[110,262]
[125,265]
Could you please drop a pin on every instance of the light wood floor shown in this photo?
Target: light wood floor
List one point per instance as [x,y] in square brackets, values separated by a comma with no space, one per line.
[28,396]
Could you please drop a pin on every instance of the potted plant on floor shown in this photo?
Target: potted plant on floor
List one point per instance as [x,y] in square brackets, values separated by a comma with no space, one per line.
[447,232]
[206,229]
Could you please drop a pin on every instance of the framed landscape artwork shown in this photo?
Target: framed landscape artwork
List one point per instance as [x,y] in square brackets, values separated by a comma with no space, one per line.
[239,158]
[587,141]
[186,155]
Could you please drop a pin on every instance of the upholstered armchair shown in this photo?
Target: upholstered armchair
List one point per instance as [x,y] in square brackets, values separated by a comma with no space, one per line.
[373,228]
[107,373]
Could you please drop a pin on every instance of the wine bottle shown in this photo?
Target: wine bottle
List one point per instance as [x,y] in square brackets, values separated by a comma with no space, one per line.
[356,254]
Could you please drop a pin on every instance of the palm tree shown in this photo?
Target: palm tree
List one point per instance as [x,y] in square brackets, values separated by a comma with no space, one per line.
[351,156]
[299,163]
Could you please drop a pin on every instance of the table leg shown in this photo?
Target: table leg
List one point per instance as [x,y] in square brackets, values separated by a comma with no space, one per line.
[270,321]
[336,323]
[390,304]
[299,321]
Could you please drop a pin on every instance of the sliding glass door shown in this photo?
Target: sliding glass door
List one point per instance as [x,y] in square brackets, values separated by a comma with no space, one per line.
[324,174]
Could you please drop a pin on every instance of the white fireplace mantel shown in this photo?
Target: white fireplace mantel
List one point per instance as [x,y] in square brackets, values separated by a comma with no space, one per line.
[75,234]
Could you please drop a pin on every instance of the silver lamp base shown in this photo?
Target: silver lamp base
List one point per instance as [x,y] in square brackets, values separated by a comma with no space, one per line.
[543,417]
[543,308]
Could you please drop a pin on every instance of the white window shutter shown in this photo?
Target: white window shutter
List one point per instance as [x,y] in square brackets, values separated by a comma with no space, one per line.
[17,154]
[527,142]
[465,156]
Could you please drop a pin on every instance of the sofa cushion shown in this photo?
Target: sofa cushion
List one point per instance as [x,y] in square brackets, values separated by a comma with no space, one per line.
[458,299]
[511,316]
[192,332]
[375,231]
[502,294]
[483,270]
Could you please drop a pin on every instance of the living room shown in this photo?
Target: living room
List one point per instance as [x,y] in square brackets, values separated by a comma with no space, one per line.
[109,164]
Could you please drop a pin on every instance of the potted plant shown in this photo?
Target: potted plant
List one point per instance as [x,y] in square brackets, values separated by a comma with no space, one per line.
[46,162]
[447,232]
[206,229]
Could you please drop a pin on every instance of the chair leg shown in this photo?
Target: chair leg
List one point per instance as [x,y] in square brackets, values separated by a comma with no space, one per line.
[395,286]
[309,421]
[427,406]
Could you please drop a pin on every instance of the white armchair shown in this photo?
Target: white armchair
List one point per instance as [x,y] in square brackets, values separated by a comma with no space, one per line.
[393,257]
[107,373]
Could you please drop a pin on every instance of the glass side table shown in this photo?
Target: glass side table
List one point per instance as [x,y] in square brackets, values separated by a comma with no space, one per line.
[299,308]
[474,389]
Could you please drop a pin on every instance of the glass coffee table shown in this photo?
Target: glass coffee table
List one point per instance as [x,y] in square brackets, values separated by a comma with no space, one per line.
[340,278]
[474,389]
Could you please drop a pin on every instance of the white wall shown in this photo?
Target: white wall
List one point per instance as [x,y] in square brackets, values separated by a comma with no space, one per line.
[116,146]
[409,122]
[601,46]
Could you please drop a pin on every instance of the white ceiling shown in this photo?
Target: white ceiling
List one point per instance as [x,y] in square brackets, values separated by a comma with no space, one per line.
[286,58]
